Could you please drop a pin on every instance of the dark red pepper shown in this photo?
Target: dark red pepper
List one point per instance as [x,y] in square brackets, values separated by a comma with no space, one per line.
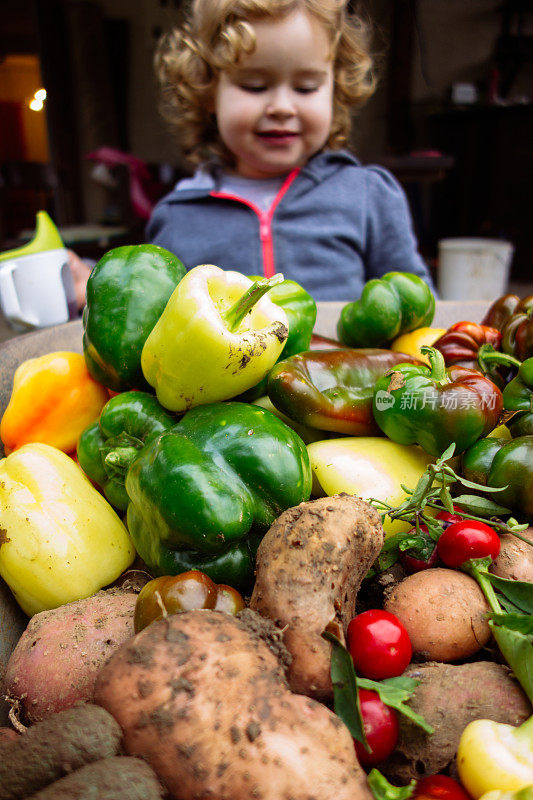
[514,317]
[461,342]
[331,390]
[501,310]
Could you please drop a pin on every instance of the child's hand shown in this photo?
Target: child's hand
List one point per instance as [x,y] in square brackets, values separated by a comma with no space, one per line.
[80,272]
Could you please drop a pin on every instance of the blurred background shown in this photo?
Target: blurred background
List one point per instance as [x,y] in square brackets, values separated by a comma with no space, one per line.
[81,136]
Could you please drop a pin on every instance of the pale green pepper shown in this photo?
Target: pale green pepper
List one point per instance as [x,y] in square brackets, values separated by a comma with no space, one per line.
[495,756]
[60,540]
[217,337]
[521,794]
[370,467]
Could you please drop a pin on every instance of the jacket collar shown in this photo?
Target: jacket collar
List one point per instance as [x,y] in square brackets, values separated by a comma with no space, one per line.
[205,180]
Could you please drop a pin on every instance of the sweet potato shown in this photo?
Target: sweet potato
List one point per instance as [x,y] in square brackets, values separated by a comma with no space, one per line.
[515,559]
[309,567]
[54,747]
[203,698]
[449,697]
[115,778]
[55,661]
[444,612]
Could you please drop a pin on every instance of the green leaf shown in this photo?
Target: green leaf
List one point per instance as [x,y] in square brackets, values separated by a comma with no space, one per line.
[518,592]
[448,453]
[509,607]
[479,486]
[446,499]
[480,505]
[422,487]
[383,790]
[434,528]
[515,622]
[394,692]
[517,649]
[345,695]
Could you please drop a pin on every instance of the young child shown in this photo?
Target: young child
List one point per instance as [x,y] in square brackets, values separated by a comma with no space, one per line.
[260,93]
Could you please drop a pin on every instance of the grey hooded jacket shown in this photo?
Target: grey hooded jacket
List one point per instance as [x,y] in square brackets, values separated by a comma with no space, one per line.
[333,225]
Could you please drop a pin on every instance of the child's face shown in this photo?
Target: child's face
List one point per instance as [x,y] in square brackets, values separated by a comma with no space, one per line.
[274,109]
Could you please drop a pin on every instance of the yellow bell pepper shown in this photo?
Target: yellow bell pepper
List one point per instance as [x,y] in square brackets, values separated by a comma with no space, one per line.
[411,343]
[368,466]
[494,756]
[60,540]
[54,399]
[217,337]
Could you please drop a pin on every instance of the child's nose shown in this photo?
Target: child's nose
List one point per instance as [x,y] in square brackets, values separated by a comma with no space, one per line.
[280,102]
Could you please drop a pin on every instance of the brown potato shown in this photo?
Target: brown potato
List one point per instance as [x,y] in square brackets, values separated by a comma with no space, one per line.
[202,697]
[309,568]
[449,696]
[515,559]
[444,612]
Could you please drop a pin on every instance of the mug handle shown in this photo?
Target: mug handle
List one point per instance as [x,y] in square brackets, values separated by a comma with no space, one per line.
[9,298]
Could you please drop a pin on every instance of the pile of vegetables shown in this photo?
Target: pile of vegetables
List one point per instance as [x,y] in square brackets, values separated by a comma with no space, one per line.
[261,564]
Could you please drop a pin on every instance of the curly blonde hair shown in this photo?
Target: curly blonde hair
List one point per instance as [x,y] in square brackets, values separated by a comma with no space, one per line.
[216,33]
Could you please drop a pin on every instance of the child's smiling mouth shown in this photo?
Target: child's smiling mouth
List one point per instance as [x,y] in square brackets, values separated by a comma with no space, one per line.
[277,136]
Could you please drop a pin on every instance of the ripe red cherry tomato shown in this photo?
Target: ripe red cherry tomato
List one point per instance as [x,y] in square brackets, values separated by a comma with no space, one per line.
[448,518]
[413,562]
[439,787]
[467,539]
[381,729]
[378,644]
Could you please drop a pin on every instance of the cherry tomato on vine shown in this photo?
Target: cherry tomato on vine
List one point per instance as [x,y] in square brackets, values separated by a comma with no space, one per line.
[412,561]
[448,518]
[378,644]
[467,539]
[415,562]
[439,787]
[381,729]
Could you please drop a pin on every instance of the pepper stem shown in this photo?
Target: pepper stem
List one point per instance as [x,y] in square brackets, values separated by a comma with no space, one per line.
[488,355]
[118,453]
[236,313]
[437,364]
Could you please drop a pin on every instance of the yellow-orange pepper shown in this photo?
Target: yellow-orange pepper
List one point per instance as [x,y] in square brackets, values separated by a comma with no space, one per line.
[411,342]
[54,398]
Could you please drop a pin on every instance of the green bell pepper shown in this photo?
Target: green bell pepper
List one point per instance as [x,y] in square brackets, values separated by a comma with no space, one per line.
[301,311]
[127,292]
[521,425]
[127,422]
[331,390]
[203,493]
[434,406]
[503,463]
[397,303]
[517,392]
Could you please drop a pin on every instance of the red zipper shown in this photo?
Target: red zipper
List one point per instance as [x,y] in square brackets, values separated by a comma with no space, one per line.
[265,221]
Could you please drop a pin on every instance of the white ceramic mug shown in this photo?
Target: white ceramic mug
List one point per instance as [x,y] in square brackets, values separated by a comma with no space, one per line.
[37,290]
